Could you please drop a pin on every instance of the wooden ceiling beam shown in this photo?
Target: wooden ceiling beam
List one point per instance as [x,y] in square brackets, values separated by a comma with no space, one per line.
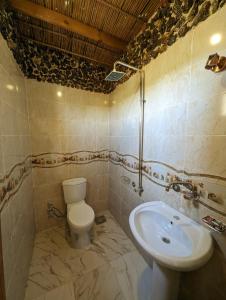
[55,18]
[68,52]
[62,35]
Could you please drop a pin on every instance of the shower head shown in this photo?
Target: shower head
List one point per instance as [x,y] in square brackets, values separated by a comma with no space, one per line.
[115,75]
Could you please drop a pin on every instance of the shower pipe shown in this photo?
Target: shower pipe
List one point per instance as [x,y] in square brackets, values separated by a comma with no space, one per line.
[141,121]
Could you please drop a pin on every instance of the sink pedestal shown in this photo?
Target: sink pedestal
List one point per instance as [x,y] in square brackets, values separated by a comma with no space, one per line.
[165,283]
[175,242]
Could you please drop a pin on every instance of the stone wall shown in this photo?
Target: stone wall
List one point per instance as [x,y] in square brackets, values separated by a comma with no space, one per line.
[171,22]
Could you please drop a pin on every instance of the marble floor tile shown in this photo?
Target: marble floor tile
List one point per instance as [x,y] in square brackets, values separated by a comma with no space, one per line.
[100,284]
[111,241]
[55,269]
[134,276]
[46,273]
[49,241]
[64,292]
[55,264]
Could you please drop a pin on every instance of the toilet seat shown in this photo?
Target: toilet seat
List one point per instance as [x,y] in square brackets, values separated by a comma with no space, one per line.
[80,216]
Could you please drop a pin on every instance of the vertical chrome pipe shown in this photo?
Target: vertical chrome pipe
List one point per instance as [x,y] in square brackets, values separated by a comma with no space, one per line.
[141,121]
[141,131]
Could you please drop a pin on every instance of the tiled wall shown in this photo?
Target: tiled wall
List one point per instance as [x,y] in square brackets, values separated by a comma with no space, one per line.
[184,135]
[16,205]
[70,128]
[185,130]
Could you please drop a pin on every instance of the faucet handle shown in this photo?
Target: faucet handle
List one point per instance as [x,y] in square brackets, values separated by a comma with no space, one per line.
[175,178]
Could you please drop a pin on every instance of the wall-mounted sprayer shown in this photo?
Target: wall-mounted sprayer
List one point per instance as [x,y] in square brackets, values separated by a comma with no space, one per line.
[54,212]
[115,76]
[216,63]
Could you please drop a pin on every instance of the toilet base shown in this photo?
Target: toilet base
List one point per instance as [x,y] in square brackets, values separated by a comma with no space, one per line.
[80,241]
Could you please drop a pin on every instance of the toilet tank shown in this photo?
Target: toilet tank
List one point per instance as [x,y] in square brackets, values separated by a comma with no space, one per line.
[74,190]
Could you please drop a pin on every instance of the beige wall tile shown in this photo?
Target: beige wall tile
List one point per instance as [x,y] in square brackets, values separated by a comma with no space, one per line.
[44,194]
[206,154]
[17,218]
[184,111]
[207,116]
[43,176]
[76,121]
[184,127]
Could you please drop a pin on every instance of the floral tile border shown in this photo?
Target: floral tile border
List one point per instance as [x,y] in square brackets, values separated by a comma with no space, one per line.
[161,173]
[11,182]
[152,168]
[51,160]
[155,171]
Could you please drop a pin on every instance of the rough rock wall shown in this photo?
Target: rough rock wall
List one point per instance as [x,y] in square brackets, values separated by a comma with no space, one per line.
[171,22]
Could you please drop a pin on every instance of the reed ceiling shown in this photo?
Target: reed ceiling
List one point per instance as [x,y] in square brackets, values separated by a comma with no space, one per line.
[118,19]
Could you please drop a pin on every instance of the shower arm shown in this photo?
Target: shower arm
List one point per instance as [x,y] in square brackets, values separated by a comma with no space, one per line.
[141,121]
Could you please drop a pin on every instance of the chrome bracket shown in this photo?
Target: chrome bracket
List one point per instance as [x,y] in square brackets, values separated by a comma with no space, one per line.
[214,224]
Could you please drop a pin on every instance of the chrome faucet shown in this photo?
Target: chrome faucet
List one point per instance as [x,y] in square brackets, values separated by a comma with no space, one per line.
[175,185]
[192,194]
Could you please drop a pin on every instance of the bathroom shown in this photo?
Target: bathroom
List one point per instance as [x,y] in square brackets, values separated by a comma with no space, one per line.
[112,150]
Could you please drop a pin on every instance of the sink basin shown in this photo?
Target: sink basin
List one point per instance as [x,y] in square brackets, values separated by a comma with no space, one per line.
[172,239]
[175,242]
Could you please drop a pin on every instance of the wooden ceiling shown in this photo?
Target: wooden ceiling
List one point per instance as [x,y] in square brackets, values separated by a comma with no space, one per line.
[97,30]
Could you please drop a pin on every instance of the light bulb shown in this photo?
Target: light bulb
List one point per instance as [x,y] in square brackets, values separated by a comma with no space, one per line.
[59,94]
[215,39]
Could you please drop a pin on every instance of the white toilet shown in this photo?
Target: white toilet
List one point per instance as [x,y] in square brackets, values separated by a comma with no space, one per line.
[80,215]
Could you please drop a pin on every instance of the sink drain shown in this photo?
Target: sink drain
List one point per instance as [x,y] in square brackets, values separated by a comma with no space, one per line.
[166,240]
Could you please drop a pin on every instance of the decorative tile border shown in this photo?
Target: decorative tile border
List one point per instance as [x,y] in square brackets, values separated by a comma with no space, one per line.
[52,160]
[155,171]
[160,173]
[131,164]
[11,182]
[151,168]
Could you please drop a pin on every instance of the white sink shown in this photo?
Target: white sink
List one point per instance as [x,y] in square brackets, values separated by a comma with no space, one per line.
[175,242]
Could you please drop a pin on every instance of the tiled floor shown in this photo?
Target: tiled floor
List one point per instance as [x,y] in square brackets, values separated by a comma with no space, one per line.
[111,269]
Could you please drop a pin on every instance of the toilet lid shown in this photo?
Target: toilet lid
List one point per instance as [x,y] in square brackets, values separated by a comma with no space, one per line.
[81,215]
